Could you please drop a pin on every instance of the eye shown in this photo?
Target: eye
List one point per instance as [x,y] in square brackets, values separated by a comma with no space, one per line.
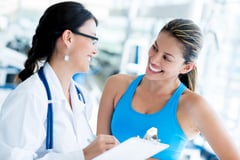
[154,48]
[167,58]
[94,42]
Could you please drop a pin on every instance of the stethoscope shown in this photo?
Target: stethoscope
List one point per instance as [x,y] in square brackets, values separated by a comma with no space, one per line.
[49,128]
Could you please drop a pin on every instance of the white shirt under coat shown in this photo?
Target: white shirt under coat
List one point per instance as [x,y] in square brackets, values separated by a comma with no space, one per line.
[23,121]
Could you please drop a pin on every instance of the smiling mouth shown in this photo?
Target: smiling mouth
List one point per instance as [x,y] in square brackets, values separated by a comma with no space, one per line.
[154,69]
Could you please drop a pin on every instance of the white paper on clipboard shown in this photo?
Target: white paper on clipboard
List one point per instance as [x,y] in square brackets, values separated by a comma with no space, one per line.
[133,149]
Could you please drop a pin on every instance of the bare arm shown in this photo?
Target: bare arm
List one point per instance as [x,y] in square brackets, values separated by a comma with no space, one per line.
[114,88]
[106,107]
[210,125]
[105,110]
[104,140]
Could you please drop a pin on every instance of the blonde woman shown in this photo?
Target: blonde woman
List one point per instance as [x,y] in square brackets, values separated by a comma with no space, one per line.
[164,97]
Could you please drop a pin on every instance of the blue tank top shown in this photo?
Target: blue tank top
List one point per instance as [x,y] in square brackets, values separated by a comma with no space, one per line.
[126,122]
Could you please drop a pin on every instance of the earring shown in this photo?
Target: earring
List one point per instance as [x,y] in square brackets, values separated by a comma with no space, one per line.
[66,58]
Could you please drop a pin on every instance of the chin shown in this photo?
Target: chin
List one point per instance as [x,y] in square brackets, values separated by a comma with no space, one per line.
[84,68]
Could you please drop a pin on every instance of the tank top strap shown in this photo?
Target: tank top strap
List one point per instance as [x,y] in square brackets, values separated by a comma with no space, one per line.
[181,88]
[133,85]
[174,100]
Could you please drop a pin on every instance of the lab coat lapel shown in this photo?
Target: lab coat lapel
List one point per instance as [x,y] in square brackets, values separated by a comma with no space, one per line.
[81,124]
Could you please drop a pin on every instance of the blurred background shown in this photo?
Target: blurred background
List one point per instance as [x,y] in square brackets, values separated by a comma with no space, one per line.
[126,31]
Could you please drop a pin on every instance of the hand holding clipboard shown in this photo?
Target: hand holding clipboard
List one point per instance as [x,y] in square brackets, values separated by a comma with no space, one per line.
[135,148]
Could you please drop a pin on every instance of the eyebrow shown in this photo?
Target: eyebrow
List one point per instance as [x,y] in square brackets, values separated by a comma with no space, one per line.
[155,43]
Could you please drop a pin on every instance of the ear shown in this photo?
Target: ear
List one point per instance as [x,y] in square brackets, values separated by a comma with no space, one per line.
[187,68]
[67,36]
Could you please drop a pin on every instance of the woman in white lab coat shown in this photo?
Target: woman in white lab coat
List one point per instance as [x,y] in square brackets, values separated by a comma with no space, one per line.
[45,117]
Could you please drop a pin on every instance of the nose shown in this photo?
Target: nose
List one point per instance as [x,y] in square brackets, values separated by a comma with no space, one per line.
[155,59]
[95,50]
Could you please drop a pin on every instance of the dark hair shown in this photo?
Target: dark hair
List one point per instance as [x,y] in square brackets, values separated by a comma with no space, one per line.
[55,20]
[189,34]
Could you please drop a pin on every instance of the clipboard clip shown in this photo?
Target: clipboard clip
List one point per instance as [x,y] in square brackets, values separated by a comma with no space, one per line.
[151,135]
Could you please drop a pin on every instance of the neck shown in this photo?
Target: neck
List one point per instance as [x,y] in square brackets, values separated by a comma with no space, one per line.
[64,75]
[160,87]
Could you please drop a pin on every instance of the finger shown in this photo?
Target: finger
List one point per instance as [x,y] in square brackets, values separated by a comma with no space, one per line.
[112,140]
[109,146]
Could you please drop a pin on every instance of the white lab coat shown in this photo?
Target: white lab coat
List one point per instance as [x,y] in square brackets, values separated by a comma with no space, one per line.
[23,122]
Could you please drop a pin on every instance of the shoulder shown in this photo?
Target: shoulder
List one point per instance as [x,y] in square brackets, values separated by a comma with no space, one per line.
[193,101]
[121,77]
[196,106]
[28,95]
[116,85]
[31,88]
[31,84]
[120,80]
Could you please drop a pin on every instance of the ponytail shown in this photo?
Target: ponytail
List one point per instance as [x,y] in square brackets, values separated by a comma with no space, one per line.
[189,79]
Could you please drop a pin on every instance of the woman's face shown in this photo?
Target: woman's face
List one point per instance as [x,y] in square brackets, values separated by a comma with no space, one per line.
[165,58]
[83,47]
